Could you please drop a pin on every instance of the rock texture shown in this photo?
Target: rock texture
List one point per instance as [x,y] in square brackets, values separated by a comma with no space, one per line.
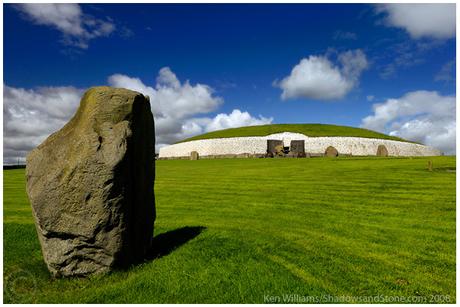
[331,152]
[272,144]
[91,185]
[279,150]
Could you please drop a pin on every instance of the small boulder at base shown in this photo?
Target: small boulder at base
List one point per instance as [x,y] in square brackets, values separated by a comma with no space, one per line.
[331,152]
[194,155]
[91,185]
[279,150]
[382,151]
[272,144]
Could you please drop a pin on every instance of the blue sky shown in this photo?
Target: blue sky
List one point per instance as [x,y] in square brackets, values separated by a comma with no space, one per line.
[244,56]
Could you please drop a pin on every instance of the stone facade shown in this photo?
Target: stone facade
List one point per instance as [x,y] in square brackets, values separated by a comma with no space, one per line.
[257,145]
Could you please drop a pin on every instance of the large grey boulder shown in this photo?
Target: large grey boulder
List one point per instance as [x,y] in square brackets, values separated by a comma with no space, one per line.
[91,185]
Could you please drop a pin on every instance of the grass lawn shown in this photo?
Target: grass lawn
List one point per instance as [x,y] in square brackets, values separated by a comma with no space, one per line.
[253,230]
[313,130]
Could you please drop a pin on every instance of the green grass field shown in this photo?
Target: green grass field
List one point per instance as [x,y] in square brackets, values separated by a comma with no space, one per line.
[253,230]
[314,130]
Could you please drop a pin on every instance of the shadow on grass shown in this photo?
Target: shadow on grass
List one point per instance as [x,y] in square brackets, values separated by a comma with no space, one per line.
[167,242]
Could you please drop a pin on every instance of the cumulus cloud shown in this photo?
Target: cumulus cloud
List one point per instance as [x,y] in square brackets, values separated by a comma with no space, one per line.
[29,116]
[176,105]
[172,101]
[235,119]
[224,121]
[199,125]
[317,77]
[420,116]
[435,20]
[76,27]
[171,98]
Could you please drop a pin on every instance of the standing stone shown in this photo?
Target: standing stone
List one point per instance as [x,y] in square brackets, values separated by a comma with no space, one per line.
[331,152]
[279,150]
[194,155]
[382,151]
[91,185]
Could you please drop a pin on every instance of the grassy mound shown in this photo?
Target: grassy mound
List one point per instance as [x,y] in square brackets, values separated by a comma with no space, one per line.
[306,129]
[262,230]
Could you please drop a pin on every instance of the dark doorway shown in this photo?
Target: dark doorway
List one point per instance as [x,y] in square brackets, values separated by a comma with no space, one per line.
[298,146]
[272,144]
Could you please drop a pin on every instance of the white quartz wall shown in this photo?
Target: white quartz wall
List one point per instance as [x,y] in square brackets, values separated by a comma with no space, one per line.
[317,145]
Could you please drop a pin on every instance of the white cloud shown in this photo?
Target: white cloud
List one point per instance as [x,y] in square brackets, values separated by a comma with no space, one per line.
[29,116]
[171,98]
[68,18]
[316,77]
[172,102]
[354,62]
[422,19]
[420,116]
[199,125]
[370,97]
[175,106]
[236,119]
[224,121]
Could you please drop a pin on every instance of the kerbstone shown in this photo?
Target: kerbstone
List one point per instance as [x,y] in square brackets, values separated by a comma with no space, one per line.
[331,152]
[91,185]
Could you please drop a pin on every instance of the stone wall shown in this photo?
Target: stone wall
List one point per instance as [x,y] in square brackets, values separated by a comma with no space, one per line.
[355,146]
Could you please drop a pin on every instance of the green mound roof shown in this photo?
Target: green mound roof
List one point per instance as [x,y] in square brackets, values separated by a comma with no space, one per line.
[306,129]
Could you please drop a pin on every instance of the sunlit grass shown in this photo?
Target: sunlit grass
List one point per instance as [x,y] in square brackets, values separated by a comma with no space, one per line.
[319,226]
[313,130]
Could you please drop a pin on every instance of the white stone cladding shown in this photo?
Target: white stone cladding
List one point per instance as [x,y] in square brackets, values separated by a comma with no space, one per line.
[355,146]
